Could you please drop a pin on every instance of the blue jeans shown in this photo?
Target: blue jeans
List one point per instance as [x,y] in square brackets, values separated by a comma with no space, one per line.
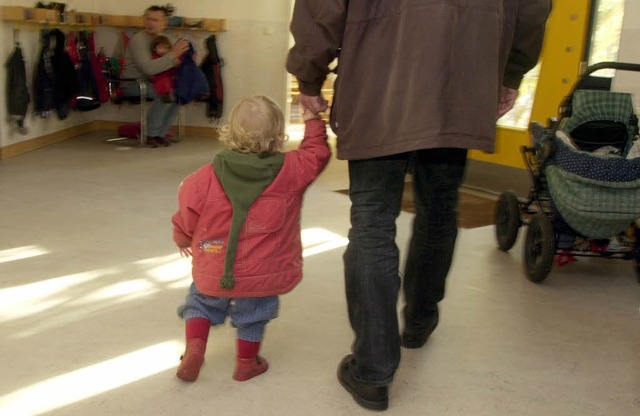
[371,260]
[248,315]
[160,115]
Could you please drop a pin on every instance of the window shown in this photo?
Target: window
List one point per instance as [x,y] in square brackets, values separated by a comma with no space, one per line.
[606,27]
[602,45]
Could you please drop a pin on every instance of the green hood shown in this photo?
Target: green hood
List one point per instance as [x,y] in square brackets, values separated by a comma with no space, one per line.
[243,176]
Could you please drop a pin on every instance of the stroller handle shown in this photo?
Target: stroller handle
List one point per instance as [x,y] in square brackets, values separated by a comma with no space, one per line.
[610,65]
[566,105]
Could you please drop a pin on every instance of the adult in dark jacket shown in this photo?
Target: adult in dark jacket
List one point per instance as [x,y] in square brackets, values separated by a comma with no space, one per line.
[17,92]
[418,84]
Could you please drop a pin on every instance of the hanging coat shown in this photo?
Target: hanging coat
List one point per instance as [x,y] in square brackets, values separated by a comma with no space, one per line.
[17,92]
[44,82]
[88,97]
[98,66]
[55,83]
[210,66]
[190,83]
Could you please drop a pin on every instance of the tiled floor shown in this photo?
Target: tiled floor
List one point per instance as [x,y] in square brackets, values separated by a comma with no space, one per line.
[89,283]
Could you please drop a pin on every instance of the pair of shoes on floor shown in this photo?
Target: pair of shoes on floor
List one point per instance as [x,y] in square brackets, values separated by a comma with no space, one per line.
[248,368]
[192,360]
[153,141]
[373,398]
[162,142]
[416,338]
[150,142]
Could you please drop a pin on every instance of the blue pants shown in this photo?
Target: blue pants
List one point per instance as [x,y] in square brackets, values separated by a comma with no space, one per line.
[248,315]
[160,115]
[371,260]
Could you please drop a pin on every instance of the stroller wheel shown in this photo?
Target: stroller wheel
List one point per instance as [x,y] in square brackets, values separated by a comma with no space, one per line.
[539,248]
[507,220]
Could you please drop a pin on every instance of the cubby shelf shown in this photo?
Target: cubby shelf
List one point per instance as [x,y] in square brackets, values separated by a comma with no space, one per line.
[36,16]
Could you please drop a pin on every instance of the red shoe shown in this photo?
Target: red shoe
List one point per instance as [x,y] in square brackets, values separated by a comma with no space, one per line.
[248,368]
[192,360]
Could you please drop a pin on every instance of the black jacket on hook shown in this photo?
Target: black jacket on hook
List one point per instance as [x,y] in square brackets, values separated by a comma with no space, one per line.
[55,83]
[211,67]
[17,92]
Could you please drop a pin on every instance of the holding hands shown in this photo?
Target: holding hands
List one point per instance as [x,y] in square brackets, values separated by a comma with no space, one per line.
[314,103]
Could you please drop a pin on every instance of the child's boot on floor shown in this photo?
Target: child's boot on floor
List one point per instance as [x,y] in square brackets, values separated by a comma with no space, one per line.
[248,368]
[192,360]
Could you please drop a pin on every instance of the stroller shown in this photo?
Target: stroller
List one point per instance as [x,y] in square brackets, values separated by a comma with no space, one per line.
[585,193]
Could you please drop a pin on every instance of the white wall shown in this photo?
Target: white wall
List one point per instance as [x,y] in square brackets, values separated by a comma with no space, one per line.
[254,49]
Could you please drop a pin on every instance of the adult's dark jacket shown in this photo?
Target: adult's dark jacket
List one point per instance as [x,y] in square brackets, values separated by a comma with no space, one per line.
[17,91]
[415,74]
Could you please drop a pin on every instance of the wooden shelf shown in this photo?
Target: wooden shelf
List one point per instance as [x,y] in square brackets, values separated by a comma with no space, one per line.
[30,15]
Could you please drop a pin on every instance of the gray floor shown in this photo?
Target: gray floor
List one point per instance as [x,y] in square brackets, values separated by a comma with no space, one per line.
[89,283]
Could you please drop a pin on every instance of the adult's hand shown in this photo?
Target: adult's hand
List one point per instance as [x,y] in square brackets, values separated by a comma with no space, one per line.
[507,100]
[314,103]
[179,48]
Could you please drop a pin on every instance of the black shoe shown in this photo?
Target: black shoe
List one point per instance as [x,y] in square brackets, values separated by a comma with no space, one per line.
[151,142]
[162,142]
[374,398]
[417,338]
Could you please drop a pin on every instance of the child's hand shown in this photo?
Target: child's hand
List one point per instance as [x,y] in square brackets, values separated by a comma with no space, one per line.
[307,114]
[185,252]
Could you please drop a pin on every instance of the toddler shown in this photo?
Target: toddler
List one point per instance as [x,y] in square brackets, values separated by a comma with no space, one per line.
[163,81]
[239,219]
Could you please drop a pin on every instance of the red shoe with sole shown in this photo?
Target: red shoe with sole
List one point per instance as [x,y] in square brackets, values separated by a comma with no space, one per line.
[248,368]
[192,360]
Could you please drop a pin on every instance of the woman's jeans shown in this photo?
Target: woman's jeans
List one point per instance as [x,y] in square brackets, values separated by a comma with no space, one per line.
[160,115]
[371,260]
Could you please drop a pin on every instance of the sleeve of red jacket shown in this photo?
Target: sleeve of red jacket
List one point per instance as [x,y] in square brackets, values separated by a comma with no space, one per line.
[190,203]
[317,27]
[313,154]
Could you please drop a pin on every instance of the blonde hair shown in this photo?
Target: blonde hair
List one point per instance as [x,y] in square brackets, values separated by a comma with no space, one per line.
[256,125]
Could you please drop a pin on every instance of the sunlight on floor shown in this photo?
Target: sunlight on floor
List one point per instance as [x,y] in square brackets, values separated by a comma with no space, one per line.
[66,293]
[160,273]
[169,269]
[319,240]
[121,291]
[20,253]
[20,301]
[90,381]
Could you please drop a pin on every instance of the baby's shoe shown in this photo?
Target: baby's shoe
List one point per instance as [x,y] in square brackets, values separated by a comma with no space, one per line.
[247,368]
[192,360]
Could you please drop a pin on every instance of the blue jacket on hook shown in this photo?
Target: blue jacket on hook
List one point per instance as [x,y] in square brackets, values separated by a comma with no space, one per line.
[190,83]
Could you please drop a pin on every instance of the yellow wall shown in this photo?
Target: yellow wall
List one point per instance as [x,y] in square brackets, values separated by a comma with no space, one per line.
[562,53]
